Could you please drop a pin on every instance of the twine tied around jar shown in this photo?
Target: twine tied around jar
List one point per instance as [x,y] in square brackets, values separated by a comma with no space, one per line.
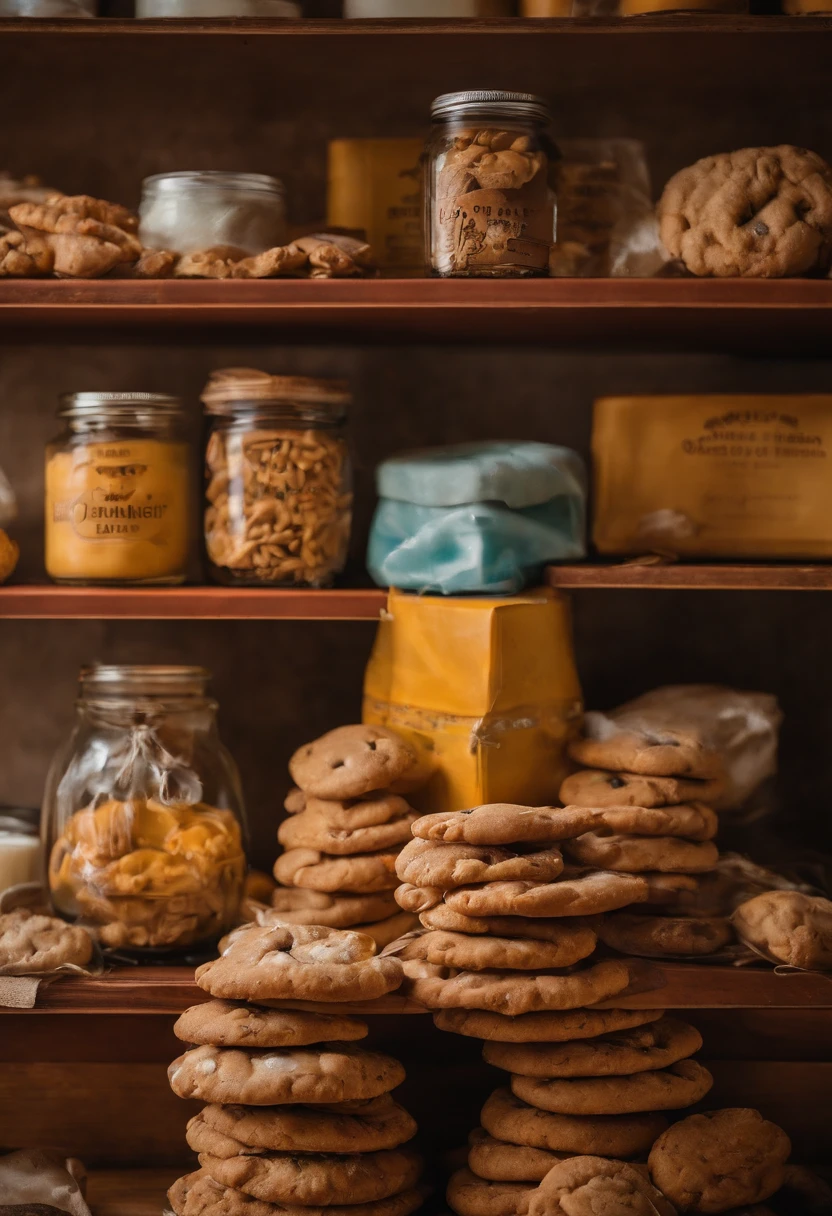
[139,749]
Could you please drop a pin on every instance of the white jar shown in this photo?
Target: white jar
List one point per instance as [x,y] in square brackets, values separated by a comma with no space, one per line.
[186,212]
[21,852]
[217,8]
[427,8]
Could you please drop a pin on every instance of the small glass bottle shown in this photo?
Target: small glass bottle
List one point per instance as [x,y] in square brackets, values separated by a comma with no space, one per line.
[278,479]
[118,484]
[143,813]
[185,212]
[490,203]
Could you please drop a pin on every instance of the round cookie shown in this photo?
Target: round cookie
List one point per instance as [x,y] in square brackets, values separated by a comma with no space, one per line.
[289,1075]
[788,927]
[374,810]
[386,931]
[666,753]
[601,788]
[461,951]
[299,963]
[503,823]
[513,993]
[227,1024]
[334,910]
[668,890]
[582,894]
[680,1085]
[351,761]
[635,854]
[586,1186]
[351,1127]
[641,1049]
[498,1161]
[361,874]
[505,1117]
[317,1179]
[33,944]
[203,1138]
[469,1195]
[444,918]
[308,830]
[720,1160]
[551,1027]
[665,936]
[427,863]
[417,899]
[690,821]
[198,1194]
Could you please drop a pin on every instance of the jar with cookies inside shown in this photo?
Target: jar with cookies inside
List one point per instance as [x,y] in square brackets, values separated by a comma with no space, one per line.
[143,813]
[279,485]
[490,197]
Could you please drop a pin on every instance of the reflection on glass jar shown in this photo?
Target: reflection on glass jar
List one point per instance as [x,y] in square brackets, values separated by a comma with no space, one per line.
[118,490]
[143,812]
[490,199]
[278,479]
[185,212]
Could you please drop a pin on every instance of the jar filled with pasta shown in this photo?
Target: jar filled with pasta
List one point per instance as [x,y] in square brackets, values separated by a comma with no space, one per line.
[118,491]
[278,479]
[143,814]
[491,201]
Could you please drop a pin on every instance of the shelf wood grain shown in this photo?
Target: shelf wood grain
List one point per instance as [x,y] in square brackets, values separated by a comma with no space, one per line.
[130,1192]
[189,603]
[683,576]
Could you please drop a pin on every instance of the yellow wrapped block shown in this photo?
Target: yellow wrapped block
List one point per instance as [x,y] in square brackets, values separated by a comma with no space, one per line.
[714,476]
[376,185]
[486,688]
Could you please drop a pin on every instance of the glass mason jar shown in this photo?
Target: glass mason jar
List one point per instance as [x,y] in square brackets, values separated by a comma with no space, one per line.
[217,8]
[278,479]
[118,488]
[186,212]
[490,202]
[143,813]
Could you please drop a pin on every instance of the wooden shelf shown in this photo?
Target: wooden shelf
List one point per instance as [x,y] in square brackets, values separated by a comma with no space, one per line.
[784,315]
[690,577]
[189,603]
[130,1192]
[170,990]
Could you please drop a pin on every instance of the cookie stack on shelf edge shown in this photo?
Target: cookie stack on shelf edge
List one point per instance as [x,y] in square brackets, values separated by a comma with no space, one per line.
[347,823]
[298,1116]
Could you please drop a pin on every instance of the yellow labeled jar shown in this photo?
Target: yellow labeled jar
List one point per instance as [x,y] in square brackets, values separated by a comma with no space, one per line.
[118,491]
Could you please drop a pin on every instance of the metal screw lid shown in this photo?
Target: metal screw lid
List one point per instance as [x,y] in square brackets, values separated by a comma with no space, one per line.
[474,101]
[79,405]
[216,179]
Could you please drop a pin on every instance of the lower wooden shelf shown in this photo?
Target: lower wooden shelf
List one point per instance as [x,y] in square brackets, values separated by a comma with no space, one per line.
[129,1192]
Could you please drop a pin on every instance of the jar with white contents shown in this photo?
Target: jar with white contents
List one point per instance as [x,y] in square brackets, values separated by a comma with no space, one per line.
[186,212]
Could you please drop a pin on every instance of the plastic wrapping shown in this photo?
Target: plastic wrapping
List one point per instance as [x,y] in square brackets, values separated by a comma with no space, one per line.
[486,688]
[476,517]
[33,1177]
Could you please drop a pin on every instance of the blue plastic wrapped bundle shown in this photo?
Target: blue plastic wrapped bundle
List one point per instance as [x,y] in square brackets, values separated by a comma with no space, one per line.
[477,517]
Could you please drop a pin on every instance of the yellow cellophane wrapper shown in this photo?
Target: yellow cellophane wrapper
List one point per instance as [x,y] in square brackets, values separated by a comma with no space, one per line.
[714,476]
[486,688]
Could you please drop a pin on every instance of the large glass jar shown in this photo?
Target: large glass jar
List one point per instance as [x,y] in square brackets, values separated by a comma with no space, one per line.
[186,212]
[490,202]
[143,813]
[118,491]
[278,479]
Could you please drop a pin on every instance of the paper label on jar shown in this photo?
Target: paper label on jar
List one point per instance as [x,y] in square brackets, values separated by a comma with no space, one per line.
[122,497]
[501,228]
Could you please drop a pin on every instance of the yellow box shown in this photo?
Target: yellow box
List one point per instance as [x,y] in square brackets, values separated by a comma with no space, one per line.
[376,184]
[486,688]
[714,476]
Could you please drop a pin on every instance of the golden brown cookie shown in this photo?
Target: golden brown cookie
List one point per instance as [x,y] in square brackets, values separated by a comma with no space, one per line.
[349,814]
[417,899]
[284,1075]
[538,929]
[469,1195]
[198,1194]
[228,1024]
[758,213]
[505,1117]
[361,874]
[203,1138]
[601,788]
[336,910]
[347,1127]
[513,993]
[669,890]
[623,1053]
[310,830]
[299,963]
[720,1160]
[295,801]
[351,761]
[583,894]
[679,1085]
[691,821]
[317,1179]
[613,741]
[590,1186]
[788,927]
[499,1161]
[502,823]
[383,932]
[636,854]
[31,944]
[665,936]
[555,1027]
[461,951]
[427,863]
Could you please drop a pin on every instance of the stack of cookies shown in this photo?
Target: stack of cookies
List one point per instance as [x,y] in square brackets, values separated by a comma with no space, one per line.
[298,1116]
[347,823]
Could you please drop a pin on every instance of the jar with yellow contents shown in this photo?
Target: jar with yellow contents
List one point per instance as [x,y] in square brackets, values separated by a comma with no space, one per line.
[118,507]
[143,813]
